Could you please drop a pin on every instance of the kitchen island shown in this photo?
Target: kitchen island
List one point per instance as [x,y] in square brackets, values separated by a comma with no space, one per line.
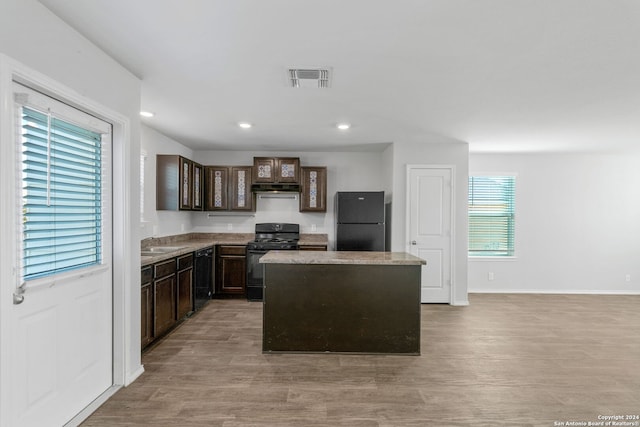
[344,302]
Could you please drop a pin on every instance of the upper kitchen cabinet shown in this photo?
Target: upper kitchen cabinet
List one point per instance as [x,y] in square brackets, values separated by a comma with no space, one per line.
[217,192]
[242,198]
[276,170]
[178,183]
[198,187]
[313,189]
[228,188]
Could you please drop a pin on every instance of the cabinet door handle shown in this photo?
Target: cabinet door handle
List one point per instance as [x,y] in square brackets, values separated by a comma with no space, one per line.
[413,242]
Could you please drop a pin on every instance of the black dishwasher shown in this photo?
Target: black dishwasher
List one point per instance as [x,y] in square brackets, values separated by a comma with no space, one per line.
[203,277]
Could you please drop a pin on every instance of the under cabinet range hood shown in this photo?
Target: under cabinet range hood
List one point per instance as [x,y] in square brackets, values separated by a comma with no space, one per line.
[275,188]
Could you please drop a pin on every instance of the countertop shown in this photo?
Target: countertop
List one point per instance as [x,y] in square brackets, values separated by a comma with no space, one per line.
[191,242]
[341,257]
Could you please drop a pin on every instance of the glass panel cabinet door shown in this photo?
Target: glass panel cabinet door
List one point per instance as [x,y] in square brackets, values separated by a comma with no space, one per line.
[288,170]
[313,189]
[217,193]
[185,183]
[242,198]
[264,170]
[197,186]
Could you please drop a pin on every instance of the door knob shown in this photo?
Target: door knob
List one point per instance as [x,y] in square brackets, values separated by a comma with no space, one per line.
[413,242]
[18,295]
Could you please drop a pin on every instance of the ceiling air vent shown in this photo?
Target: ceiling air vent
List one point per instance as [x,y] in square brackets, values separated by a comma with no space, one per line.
[309,77]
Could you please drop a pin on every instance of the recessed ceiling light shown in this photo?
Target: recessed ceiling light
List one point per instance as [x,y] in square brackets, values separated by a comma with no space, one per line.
[146,114]
[343,126]
[244,125]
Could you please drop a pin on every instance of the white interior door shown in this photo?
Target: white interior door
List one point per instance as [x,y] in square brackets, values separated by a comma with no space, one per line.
[61,341]
[429,231]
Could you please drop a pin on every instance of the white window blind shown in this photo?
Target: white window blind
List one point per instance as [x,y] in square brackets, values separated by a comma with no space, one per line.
[61,194]
[491,215]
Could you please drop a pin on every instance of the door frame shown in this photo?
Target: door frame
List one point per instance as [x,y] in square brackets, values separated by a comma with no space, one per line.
[452,235]
[122,257]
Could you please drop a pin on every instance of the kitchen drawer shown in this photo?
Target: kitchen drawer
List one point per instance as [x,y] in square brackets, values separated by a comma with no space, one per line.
[164,268]
[185,262]
[146,275]
[312,247]
[232,250]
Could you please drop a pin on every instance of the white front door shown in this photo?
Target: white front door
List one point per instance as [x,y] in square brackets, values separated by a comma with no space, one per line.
[429,233]
[61,342]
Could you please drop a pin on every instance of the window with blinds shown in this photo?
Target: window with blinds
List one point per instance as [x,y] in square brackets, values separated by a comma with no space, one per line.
[61,195]
[491,215]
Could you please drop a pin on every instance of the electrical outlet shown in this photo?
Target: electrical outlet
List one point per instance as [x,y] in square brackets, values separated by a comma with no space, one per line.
[229,227]
[490,275]
[182,227]
[313,227]
[627,278]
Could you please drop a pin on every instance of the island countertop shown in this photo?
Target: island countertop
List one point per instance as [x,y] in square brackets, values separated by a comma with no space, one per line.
[341,257]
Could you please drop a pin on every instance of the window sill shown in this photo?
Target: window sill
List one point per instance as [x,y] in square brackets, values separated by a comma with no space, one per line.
[492,258]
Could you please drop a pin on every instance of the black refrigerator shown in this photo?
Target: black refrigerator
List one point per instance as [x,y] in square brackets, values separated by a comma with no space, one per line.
[360,220]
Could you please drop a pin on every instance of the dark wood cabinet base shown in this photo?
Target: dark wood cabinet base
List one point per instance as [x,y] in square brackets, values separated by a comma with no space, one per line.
[166,297]
[342,308]
[231,270]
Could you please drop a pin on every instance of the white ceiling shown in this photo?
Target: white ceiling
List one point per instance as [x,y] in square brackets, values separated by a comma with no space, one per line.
[502,75]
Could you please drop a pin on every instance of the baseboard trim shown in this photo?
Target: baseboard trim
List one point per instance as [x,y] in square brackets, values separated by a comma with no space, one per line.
[556,292]
[91,408]
[134,375]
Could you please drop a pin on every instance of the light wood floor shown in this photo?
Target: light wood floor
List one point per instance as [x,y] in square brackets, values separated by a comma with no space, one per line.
[505,360]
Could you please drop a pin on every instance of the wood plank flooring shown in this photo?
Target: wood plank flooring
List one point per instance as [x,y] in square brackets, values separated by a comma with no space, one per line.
[505,360]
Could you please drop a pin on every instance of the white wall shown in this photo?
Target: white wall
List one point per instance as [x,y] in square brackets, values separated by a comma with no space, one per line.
[160,223]
[577,224]
[346,171]
[33,36]
[433,150]
[387,176]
